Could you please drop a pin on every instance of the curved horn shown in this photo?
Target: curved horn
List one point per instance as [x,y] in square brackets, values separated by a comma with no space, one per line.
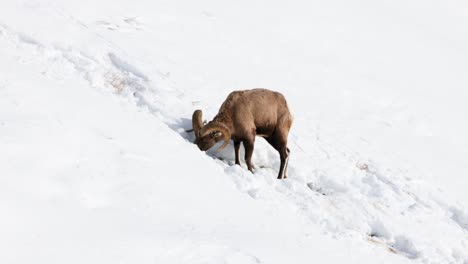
[221,128]
[197,122]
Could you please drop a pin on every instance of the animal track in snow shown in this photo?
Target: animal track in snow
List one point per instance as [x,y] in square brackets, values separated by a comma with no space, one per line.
[379,230]
[399,245]
[127,24]
[459,217]
[126,67]
[135,22]
[406,247]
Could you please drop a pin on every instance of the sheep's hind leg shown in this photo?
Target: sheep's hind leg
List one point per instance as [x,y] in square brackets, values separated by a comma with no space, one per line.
[284,157]
[283,152]
[286,165]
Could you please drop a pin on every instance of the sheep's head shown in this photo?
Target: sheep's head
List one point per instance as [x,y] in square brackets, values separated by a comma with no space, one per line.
[207,136]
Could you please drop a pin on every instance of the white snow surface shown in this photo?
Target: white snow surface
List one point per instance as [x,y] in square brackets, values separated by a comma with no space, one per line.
[96,166]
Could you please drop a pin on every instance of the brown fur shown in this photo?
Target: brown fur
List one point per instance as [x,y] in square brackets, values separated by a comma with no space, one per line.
[244,115]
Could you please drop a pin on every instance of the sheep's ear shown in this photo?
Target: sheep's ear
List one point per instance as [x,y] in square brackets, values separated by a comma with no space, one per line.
[216,134]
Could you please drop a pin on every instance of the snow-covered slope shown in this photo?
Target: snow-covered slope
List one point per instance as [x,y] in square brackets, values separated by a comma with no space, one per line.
[96,166]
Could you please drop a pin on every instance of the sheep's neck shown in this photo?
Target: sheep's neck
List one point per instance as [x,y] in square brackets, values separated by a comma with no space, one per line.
[225,120]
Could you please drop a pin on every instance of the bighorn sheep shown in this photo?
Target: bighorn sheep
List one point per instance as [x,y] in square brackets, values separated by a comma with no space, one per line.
[244,115]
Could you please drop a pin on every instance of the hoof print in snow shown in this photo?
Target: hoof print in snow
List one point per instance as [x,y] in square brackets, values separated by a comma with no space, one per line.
[107,25]
[405,247]
[402,245]
[254,193]
[376,239]
[316,189]
[378,230]
[134,22]
[126,24]
[459,217]
[362,166]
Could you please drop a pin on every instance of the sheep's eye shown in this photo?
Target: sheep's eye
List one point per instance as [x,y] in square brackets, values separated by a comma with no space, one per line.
[213,134]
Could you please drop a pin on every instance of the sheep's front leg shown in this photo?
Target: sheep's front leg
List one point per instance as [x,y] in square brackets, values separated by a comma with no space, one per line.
[249,147]
[236,151]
